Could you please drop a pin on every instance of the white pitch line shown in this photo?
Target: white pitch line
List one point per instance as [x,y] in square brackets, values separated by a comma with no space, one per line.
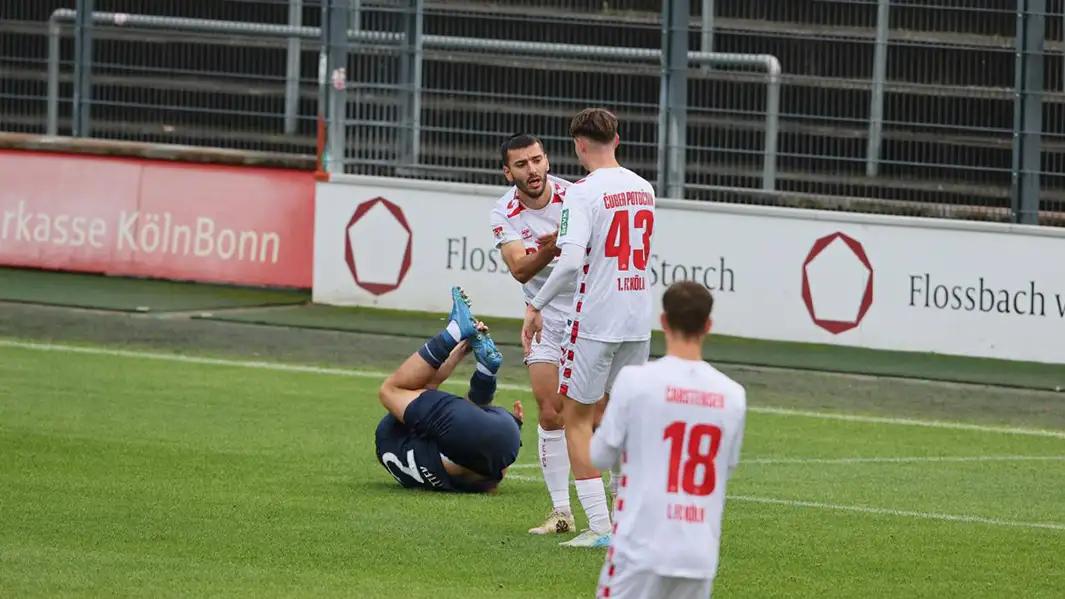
[910,460]
[897,513]
[280,367]
[877,511]
[902,460]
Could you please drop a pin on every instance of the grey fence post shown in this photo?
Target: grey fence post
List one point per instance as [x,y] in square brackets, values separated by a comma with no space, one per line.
[82,68]
[675,15]
[292,67]
[411,83]
[706,33]
[1028,111]
[876,98]
[335,21]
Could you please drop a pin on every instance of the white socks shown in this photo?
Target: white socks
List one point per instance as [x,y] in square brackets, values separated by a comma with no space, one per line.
[554,462]
[593,499]
[453,330]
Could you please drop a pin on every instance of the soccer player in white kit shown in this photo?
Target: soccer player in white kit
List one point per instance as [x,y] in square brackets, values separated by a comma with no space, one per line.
[524,225]
[605,239]
[676,424]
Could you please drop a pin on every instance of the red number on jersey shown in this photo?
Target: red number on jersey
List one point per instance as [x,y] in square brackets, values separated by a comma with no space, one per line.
[683,476]
[617,239]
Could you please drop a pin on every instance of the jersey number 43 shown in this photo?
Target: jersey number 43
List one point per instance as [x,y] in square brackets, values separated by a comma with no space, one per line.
[691,457]
[618,239]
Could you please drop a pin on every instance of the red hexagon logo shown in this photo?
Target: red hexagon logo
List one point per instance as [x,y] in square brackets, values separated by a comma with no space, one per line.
[378,245]
[837,283]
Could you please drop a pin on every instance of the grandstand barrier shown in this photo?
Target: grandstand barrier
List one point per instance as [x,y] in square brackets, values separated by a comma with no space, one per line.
[873,281]
[167,212]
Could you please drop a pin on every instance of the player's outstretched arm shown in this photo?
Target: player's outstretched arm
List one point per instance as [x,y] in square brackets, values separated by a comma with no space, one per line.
[565,271]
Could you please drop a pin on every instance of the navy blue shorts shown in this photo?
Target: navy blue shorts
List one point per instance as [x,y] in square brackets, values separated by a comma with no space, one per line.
[484,440]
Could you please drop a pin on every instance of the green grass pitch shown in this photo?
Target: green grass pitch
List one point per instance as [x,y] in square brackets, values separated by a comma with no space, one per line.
[122,476]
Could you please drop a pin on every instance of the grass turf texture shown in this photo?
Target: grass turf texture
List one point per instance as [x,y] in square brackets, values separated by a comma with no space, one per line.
[124,477]
[721,350]
[132,295]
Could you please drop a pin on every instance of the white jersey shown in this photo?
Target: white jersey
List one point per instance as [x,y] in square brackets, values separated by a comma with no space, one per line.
[513,221]
[678,426]
[611,213]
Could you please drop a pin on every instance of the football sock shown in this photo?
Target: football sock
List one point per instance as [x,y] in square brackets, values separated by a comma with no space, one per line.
[554,461]
[482,386]
[436,350]
[593,499]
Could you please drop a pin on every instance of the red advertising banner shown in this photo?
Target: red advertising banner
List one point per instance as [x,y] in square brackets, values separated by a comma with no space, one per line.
[160,219]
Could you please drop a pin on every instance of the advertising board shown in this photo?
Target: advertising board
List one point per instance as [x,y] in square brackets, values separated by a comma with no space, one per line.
[961,288]
[160,219]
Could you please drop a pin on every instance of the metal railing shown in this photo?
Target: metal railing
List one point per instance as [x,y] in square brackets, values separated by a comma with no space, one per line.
[337,126]
[874,105]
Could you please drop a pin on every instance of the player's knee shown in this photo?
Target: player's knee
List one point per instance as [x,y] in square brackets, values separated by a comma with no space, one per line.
[550,418]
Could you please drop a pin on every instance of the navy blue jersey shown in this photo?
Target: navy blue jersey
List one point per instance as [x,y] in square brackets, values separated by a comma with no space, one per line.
[484,440]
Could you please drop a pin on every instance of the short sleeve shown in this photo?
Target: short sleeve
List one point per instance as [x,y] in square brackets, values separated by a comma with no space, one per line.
[737,441]
[575,224]
[502,231]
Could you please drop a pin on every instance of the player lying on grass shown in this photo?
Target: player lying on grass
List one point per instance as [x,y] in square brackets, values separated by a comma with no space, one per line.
[434,440]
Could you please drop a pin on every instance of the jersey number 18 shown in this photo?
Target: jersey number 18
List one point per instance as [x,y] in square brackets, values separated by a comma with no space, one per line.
[618,244]
[699,455]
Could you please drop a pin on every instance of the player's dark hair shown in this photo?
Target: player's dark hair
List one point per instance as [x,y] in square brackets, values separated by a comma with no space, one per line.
[687,305]
[597,124]
[517,141]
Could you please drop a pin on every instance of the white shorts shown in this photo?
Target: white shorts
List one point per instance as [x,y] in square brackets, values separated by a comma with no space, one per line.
[618,582]
[589,367]
[549,349]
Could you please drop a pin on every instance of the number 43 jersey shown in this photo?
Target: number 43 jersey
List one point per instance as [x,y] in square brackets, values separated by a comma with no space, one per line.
[611,214]
[677,426]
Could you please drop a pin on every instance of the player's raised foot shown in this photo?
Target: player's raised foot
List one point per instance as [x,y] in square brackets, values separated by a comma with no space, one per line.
[590,539]
[484,349]
[461,314]
[557,523]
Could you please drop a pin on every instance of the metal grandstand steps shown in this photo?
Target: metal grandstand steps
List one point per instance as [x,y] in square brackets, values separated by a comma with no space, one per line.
[948,102]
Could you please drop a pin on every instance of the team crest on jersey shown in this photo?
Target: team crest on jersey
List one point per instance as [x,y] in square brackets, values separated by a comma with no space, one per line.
[564,222]
[498,232]
[526,233]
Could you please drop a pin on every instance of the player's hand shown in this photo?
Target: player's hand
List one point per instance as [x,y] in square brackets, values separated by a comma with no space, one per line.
[547,243]
[531,328]
[463,347]
[519,411]
[482,327]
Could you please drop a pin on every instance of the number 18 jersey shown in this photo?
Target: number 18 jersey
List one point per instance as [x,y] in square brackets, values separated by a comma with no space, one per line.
[678,425]
[611,214]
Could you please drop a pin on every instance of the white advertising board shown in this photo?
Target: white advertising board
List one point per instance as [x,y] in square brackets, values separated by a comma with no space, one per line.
[971,289]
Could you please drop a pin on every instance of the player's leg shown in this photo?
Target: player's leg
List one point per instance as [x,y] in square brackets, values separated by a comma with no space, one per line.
[582,384]
[542,364]
[630,353]
[420,370]
[473,434]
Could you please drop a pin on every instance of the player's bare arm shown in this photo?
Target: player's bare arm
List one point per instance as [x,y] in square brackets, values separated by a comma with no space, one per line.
[565,270]
[523,265]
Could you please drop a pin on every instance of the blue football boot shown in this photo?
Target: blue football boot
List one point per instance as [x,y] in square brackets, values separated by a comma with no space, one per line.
[484,349]
[461,315]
